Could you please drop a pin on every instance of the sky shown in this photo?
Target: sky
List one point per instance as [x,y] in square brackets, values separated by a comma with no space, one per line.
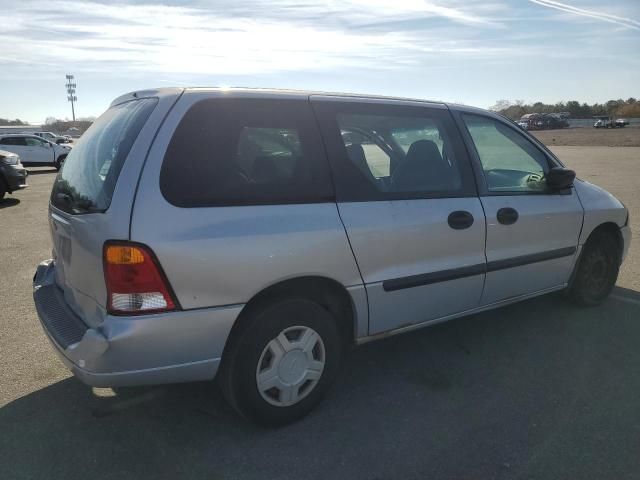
[466,51]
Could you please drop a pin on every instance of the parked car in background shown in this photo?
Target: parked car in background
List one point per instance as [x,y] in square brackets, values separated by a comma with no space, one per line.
[73,132]
[543,121]
[35,151]
[13,176]
[52,137]
[605,121]
[305,223]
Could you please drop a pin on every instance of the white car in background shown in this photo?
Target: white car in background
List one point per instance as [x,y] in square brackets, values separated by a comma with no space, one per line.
[35,151]
[52,137]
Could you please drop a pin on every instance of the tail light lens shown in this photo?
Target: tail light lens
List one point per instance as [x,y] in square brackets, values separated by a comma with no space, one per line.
[135,281]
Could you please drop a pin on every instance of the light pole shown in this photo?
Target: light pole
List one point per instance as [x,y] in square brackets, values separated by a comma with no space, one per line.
[71,94]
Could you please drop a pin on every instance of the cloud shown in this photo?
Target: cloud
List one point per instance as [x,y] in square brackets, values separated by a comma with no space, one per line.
[246,38]
[605,17]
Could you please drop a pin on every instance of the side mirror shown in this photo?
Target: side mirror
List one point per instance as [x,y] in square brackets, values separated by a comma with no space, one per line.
[559,178]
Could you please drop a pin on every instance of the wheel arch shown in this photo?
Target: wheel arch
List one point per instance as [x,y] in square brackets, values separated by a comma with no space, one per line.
[329,293]
[612,229]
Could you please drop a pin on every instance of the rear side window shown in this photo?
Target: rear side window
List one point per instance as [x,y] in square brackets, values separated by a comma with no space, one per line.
[237,151]
[88,178]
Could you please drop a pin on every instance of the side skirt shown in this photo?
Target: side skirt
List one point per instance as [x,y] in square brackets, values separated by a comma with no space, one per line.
[501,303]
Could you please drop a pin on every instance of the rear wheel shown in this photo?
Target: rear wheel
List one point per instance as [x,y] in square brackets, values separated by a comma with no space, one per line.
[3,188]
[280,363]
[597,271]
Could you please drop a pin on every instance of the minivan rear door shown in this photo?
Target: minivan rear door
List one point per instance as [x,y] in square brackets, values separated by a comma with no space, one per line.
[92,195]
[407,198]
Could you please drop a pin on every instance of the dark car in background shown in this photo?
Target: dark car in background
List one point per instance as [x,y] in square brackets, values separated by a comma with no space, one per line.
[13,175]
[543,121]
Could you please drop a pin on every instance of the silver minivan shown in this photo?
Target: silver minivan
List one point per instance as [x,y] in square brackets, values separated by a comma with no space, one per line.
[253,235]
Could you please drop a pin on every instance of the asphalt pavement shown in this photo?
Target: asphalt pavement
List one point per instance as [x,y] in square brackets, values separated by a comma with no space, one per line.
[537,390]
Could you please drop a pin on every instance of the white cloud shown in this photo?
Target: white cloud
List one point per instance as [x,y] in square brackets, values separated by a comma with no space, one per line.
[245,39]
[605,17]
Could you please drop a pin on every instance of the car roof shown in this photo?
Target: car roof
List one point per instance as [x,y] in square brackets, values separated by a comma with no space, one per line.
[278,93]
[242,92]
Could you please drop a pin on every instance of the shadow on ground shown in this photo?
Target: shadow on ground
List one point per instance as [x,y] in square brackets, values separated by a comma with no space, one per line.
[540,389]
[9,202]
[42,171]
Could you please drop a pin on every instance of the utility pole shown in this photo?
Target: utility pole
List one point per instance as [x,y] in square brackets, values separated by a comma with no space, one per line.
[71,94]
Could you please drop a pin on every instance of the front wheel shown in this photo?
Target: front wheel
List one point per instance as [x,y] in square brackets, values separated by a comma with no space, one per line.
[597,271]
[281,362]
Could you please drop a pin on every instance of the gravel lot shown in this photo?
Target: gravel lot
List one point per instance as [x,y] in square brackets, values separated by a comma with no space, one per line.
[539,390]
[602,137]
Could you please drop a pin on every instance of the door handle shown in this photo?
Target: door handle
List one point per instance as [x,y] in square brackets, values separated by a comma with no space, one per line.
[460,219]
[507,216]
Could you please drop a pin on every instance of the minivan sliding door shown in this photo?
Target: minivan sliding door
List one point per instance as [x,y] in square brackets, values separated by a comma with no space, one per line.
[406,195]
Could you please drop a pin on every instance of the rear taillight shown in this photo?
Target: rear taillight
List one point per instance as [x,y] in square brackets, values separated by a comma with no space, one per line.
[135,282]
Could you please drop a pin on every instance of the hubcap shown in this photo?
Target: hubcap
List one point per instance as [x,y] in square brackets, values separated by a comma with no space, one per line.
[290,366]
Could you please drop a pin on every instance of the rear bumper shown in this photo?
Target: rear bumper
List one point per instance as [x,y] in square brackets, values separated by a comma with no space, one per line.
[125,351]
[14,176]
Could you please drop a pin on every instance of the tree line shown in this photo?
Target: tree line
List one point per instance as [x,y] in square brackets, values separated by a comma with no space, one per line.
[52,124]
[616,108]
[17,122]
[61,126]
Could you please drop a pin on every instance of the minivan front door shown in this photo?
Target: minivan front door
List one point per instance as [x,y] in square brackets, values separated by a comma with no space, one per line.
[532,232]
[406,196]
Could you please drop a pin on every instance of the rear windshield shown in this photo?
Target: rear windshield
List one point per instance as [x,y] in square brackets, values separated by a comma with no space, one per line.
[88,178]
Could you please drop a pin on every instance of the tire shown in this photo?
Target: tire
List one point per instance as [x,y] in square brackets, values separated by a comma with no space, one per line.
[3,188]
[59,162]
[269,345]
[597,270]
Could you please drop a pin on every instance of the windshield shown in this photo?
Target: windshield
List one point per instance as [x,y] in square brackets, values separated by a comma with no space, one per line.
[88,178]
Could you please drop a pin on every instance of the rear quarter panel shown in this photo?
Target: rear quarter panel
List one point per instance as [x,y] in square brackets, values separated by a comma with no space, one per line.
[216,256]
[89,232]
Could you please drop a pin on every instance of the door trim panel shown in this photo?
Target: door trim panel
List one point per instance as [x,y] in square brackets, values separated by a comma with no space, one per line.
[531,258]
[455,273]
[433,277]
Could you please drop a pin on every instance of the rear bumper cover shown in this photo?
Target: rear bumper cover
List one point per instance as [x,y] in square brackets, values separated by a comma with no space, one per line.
[171,347]
[14,176]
